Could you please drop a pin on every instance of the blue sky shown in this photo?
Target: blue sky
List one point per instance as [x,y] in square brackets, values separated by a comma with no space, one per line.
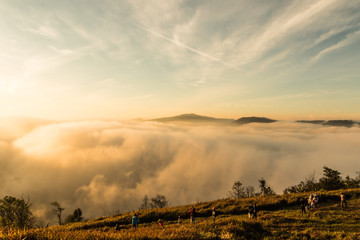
[129,59]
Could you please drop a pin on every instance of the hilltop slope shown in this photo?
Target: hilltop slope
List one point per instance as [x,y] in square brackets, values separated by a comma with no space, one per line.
[279,218]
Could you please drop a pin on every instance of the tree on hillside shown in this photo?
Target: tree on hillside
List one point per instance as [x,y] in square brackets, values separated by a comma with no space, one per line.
[145,203]
[264,188]
[57,210]
[250,191]
[331,179]
[309,184]
[352,182]
[75,217]
[159,201]
[237,190]
[16,213]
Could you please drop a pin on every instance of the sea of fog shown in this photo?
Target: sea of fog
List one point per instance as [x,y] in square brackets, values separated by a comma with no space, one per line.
[108,166]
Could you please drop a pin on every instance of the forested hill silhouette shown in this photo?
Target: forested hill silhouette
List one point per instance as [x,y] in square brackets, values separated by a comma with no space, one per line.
[191,117]
[312,121]
[194,118]
[245,120]
[335,123]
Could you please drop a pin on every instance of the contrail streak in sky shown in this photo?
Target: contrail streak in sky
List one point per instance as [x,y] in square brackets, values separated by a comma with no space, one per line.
[177,43]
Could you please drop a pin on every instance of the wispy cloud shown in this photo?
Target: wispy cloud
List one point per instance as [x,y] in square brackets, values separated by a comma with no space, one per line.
[304,16]
[44,30]
[282,27]
[182,45]
[154,47]
[350,39]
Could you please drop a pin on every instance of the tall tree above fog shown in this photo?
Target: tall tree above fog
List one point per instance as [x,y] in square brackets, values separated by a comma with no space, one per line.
[57,210]
[159,201]
[264,188]
[331,179]
[237,191]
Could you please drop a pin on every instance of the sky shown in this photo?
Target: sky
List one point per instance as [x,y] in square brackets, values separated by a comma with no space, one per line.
[62,60]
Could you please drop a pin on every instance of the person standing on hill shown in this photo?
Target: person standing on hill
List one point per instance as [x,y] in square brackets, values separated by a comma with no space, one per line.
[134,220]
[310,202]
[302,202]
[251,212]
[161,223]
[343,200]
[254,211]
[213,214]
[315,200]
[192,215]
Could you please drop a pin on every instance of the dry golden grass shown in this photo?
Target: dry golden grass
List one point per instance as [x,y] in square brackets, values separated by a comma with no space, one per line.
[279,218]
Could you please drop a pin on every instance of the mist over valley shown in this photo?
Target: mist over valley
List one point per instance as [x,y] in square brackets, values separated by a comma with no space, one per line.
[106,166]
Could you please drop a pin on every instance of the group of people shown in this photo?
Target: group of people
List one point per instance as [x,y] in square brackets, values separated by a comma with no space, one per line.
[192,212]
[309,204]
[313,201]
[305,204]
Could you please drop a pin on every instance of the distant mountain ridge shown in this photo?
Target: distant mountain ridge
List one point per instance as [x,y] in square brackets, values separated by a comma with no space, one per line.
[245,120]
[195,118]
[335,123]
[191,117]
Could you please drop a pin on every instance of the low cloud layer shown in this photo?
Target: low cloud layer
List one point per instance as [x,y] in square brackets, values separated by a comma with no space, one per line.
[105,166]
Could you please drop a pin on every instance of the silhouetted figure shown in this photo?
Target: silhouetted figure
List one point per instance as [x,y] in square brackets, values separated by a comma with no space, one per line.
[213,214]
[302,203]
[254,211]
[179,220]
[161,223]
[315,200]
[343,200]
[117,227]
[251,212]
[192,215]
[135,220]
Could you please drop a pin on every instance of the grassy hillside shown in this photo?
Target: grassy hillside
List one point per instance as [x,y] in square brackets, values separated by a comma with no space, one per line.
[279,218]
